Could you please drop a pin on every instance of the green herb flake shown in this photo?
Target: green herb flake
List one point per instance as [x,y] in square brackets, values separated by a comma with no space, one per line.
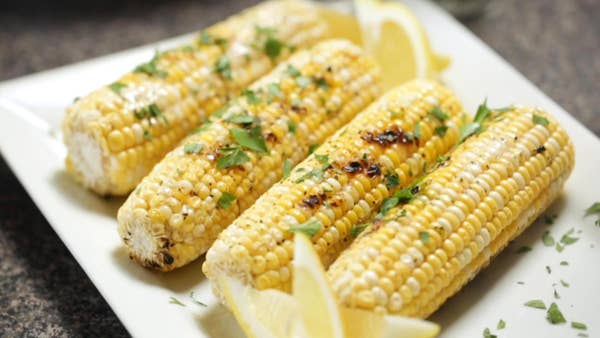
[251,96]
[291,126]
[417,130]
[441,130]
[241,119]
[424,236]
[559,247]
[520,282]
[548,269]
[578,326]
[116,87]
[387,204]
[594,209]
[223,67]
[225,200]
[197,302]
[565,284]
[251,139]
[147,135]
[274,90]
[467,130]
[151,67]
[501,324]
[292,71]
[357,229]
[233,157]
[321,83]
[323,159]
[537,119]
[309,228]
[303,81]
[203,127]
[173,300]
[438,113]
[556,295]
[536,303]
[567,239]
[523,249]
[583,335]
[287,168]
[548,239]
[273,47]
[487,334]
[392,181]
[554,315]
[312,148]
[205,38]
[564,263]
[193,148]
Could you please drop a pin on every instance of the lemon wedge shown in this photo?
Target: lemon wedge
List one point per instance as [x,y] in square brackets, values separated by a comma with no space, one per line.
[395,37]
[311,310]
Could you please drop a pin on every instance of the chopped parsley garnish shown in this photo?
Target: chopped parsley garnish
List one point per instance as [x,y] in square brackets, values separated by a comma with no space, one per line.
[251,139]
[193,148]
[475,127]
[549,219]
[501,324]
[207,39]
[548,269]
[223,67]
[303,81]
[150,110]
[273,90]
[554,315]
[578,326]
[564,263]
[565,284]
[241,119]
[225,200]
[548,239]
[196,301]
[357,229]
[309,228]
[566,239]
[292,71]
[273,47]
[312,148]
[442,158]
[151,67]
[559,247]
[392,181]
[116,87]
[318,172]
[400,197]
[556,295]
[147,135]
[234,156]
[520,282]
[323,159]
[523,249]
[173,300]
[287,168]
[537,119]
[251,96]
[321,83]
[438,113]
[594,209]
[424,236]
[441,130]
[536,303]
[203,127]
[417,130]
[291,126]
[487,334]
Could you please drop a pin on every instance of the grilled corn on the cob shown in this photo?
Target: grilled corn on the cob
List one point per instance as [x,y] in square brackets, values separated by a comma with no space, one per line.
[379,152]
[116,134]
[484,195]
[200,187]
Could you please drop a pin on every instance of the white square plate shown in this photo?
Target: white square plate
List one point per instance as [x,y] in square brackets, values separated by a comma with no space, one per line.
[32,107]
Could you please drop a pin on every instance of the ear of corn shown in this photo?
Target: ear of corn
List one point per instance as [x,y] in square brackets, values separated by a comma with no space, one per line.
[341,185]
[489,190]
[116,134]
[203,185]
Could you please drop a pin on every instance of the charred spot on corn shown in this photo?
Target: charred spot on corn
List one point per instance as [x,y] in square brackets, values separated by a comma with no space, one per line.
[313,201]
[393,135]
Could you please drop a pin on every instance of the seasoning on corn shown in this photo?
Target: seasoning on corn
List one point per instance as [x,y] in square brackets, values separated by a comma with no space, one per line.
[491,188]
[116,134]
[179,209]
[341,185]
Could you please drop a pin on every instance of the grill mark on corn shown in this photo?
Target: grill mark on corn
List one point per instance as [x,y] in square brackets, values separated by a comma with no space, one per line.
[392,135]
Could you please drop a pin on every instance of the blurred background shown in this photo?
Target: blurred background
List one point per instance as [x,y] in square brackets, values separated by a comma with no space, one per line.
[554,43]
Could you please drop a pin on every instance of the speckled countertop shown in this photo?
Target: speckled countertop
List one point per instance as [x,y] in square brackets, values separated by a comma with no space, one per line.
[44,292]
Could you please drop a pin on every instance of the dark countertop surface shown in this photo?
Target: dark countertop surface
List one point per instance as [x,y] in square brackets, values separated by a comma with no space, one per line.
[44,292]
